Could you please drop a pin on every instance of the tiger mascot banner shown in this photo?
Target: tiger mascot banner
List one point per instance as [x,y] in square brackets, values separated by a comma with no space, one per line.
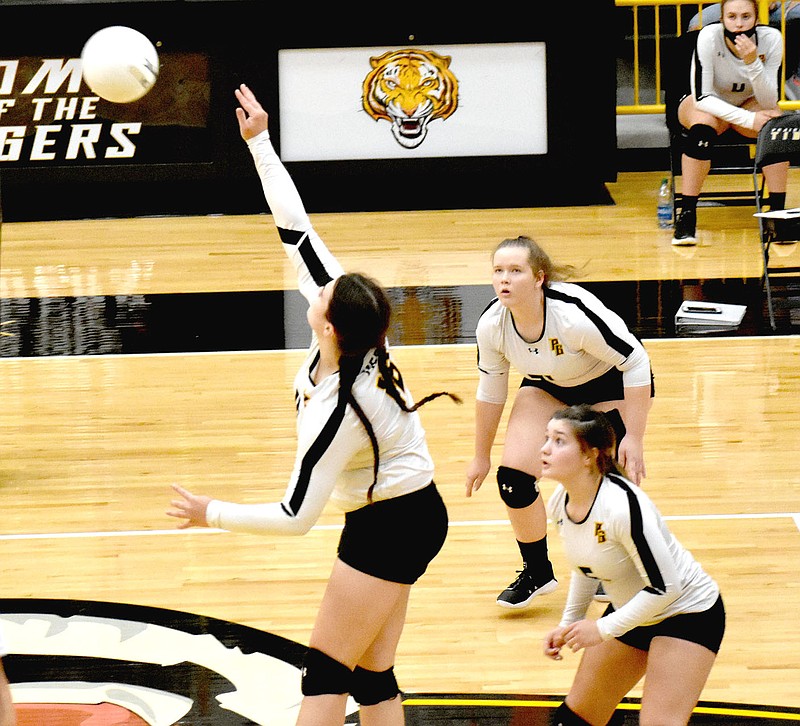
[377,103]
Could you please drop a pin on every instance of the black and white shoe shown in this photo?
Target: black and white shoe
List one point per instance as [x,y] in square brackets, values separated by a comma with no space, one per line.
[685,229]
[521,592]
[601,595]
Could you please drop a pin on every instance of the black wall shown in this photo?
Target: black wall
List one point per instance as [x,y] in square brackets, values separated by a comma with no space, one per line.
[209,169]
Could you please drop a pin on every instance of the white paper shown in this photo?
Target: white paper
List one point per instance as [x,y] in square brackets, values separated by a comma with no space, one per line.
[703,314]
[780,214]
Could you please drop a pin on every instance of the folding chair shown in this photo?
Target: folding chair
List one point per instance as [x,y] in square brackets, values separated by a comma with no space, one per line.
[732,154]
[778,140]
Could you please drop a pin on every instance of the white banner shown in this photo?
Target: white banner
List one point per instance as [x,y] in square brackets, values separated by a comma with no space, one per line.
[414,102]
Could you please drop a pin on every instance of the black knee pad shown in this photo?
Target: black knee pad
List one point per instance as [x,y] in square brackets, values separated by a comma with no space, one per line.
[371,687]
[565,716]
[700,141]
[517,489]
[324,675]
[615,419]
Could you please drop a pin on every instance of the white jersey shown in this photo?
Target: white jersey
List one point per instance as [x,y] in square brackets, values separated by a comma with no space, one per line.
[625,543]
[3,646]
[582,339]
[721,81]
[334,459]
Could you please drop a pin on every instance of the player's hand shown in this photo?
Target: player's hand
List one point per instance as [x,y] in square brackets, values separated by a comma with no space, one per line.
[253,119]
[553,643]
[476,473]
[763,116]
[582,634]
[631,458]
[746,49]
[190,507]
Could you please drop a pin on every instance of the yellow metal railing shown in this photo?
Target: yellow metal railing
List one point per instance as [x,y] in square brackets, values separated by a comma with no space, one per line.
[673,9]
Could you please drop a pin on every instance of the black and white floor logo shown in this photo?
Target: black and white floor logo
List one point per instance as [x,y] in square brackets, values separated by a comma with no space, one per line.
[77,662]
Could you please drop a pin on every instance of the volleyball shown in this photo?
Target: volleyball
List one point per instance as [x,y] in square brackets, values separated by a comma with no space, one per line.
[119,64]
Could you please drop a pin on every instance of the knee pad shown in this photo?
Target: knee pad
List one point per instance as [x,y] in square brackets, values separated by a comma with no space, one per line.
[565,716]
[324,675]
[517,489]
[371,687]
[700,141]
[615,419]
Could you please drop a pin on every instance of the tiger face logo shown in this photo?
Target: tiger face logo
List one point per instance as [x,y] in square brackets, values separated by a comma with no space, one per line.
[410,88]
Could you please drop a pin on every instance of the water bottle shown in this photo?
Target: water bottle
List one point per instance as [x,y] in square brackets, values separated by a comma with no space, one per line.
[665,205]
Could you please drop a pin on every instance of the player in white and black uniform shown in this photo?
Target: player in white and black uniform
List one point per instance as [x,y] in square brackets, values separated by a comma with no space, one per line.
[570,348]
[360,445]
[734,82]
[582,341]
[666,618]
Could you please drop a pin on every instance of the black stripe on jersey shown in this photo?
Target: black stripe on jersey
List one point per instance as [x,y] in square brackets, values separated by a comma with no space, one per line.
[621,346]
[290,237]
[313,455]
[492,302]
[657,585]
[298,396]
[698,76]
[312,261]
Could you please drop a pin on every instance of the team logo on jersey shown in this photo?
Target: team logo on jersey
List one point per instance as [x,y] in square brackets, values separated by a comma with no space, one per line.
[409,89]
[556,347]
[599,533]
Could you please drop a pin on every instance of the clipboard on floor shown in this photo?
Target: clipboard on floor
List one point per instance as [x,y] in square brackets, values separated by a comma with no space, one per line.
[709,317]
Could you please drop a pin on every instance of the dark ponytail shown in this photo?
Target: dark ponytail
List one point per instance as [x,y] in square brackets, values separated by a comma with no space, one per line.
[360,311]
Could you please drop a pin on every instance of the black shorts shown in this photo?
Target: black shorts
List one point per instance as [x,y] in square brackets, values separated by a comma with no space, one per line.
[705,628]
[607,387]
[395,539]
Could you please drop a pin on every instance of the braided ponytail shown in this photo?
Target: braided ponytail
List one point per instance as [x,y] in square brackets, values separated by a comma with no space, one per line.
[360,311]
[389,377]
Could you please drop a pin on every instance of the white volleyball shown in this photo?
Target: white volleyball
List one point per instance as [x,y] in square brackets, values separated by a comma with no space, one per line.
[119,64]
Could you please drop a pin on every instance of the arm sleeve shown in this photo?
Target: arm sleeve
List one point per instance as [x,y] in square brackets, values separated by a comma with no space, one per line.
[493,366]
[314,263]
[581,588]
[323,451]
[580,595]
[645,542]
[762,78]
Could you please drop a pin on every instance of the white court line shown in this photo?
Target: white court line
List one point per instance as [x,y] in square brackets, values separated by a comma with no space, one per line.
[278,351]
[321,527]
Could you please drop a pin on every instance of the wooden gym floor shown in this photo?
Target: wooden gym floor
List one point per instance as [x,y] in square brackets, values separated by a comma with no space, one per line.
[139,352]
